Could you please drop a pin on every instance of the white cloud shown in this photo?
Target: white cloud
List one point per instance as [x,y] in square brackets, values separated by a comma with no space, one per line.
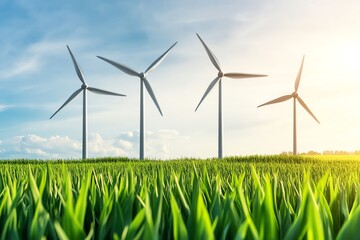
[35,56]
[4,107]
[164,144]
[158,145]
[30,64]
[37,147]
[99,147]
[127,141]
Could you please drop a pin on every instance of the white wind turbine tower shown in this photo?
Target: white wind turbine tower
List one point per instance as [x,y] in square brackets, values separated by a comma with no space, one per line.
[216,63]
[295,96]
[143,81]
[84,88]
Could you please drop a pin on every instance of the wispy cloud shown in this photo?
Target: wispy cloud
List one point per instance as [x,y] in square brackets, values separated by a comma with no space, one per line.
[23,67]
[38,55]
[5,107]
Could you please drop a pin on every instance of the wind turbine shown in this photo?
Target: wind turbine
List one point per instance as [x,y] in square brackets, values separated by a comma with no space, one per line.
[219,77]
[295,96]
[84,87]
[143,81]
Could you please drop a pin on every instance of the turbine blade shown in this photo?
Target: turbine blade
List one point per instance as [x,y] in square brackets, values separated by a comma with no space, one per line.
[103,92]
[157,62]
[243,75]
[151,93]
[122,67]
[211,55]
[297,82]
[77,67]
[277,100]
[307,108]
[67,101]
[212,84]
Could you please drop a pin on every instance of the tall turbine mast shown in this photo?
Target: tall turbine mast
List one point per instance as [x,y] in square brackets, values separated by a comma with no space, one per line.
[84,87]
[295,97]
[143,81]
[218,79]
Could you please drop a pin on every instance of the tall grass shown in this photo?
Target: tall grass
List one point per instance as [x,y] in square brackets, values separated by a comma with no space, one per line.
[259,197]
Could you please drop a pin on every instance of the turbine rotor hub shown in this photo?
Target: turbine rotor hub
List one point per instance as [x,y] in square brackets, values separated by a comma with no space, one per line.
[220,74]
[294,94]
[84,86]
[142,75]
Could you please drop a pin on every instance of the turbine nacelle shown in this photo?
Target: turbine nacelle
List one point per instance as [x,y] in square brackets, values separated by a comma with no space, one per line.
[84,86]
[142,75]
[220,75]
[294,94]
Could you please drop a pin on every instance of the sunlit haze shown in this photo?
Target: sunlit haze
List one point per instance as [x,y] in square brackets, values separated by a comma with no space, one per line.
[261,37]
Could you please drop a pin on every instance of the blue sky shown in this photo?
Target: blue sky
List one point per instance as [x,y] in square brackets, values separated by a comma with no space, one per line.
[37,76]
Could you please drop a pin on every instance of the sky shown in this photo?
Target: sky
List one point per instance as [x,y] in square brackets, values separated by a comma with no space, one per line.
[249,36]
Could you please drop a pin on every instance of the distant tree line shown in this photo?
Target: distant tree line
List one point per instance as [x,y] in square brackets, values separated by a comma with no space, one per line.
[326,152]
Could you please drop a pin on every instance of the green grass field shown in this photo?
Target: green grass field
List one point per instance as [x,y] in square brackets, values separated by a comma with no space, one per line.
[255,197]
